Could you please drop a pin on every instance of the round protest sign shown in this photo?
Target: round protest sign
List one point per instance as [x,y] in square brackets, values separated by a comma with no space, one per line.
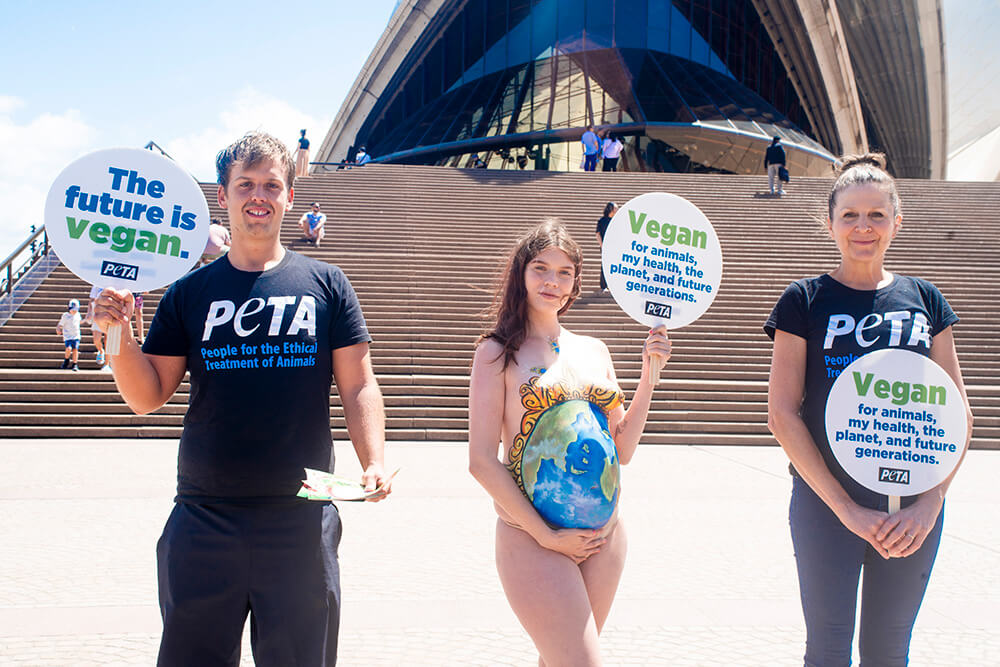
[896,422]
[662,260]
[126,218]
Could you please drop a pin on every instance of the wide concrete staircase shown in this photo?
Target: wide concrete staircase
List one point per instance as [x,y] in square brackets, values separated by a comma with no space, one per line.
[422,246]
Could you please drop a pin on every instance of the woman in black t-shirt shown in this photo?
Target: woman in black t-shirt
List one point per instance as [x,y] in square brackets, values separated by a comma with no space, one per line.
[839,528]
[602,228]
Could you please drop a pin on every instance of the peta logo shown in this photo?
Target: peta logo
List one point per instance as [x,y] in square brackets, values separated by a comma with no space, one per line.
[844,325]
[894,475]
[657,309]
[252,313]
[117,270]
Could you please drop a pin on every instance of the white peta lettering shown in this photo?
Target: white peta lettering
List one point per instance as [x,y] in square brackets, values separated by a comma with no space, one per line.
[840,325]
[245,324]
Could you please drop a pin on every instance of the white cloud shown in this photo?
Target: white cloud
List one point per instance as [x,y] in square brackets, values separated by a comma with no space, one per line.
[8,104]
[32,154]
[252,110]
[35,150]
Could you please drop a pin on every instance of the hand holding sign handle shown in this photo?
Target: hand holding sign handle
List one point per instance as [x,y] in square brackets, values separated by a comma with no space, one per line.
[112,311]
[113,340]
[657,348]
[127,219]
[896,423]
[663,264]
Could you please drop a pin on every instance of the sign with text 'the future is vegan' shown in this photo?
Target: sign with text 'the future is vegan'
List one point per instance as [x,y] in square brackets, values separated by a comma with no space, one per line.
[127,218]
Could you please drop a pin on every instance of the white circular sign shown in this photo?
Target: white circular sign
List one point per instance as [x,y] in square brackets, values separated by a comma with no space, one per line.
[662,260]
[896,422]
[127,218]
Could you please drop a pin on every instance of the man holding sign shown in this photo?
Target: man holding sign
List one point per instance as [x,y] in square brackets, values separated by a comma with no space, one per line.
[263,332]
[830,333]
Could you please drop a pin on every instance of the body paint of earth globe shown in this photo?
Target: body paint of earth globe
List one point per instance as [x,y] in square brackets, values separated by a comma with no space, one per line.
[570,466]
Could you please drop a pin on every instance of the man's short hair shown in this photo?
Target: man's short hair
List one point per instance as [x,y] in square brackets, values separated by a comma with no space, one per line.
[252,149]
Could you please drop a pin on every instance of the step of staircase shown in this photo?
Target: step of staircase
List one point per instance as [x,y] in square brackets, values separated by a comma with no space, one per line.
[423,247]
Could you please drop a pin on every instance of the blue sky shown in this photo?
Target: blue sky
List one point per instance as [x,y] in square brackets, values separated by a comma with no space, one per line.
[191,76]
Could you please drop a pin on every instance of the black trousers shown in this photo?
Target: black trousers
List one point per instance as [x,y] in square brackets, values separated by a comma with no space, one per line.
[278,563]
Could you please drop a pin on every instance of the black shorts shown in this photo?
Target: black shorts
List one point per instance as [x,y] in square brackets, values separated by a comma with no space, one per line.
[217,563]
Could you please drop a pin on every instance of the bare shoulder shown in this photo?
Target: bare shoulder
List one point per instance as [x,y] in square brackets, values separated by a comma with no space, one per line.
[489,354]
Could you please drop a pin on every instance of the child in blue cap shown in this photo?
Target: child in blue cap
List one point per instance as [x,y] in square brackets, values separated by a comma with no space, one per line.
[69,327]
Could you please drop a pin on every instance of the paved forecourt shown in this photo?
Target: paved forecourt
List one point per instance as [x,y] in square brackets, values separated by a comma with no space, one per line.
[710,578]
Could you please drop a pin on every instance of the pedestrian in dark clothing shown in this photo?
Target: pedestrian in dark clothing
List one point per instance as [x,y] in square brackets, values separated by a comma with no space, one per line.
[774,160]
[602,228]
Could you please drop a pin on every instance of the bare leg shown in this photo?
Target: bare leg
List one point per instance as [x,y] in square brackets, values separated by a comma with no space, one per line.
[603,571]
[560,604]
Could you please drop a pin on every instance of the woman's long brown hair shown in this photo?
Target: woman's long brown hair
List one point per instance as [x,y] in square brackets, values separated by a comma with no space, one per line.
[509,311]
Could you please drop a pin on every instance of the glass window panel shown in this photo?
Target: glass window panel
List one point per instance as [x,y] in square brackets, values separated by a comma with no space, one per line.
[496,56]
[708,81]
[658,40]
[659,14]
[419,124]
[433,68]
[500,119]
[571,17]
[453,54]
[518,11]
[522,98]
[611,88]
[496,21]
[541,93]
[738,97]
[680,35]
[475,18]
[401,136]
[493,90]
[720,28]
[700,24]
[525,113]
[543,27]
[442,118]
[578,116]
[631,23]
[413,96]
[560,94]
[519,35]
[657,97]
[679,72]
[736,50]
[467,117]
[599,22]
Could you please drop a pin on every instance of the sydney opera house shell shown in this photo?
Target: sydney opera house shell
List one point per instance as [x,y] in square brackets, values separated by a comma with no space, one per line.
[688,85]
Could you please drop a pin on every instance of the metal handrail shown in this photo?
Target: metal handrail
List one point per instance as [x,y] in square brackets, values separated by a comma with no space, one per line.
[7,274]
[152,145]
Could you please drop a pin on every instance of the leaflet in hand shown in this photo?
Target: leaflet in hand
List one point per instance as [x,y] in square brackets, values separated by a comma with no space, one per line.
[320,485]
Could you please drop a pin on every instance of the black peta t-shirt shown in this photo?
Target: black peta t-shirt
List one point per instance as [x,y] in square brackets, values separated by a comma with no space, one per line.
[841,324]
[602,226]
[258,345]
